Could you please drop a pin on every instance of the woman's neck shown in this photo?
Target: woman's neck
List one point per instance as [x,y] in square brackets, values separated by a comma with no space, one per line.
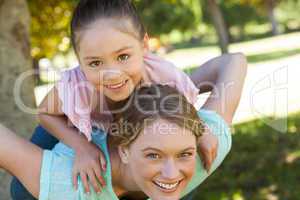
[122,181]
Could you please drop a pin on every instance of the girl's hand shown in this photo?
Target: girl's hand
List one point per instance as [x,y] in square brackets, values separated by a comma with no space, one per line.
[208,148]
[89,163]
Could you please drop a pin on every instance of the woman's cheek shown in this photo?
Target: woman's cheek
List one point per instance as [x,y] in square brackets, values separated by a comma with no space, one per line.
[149,171]
[189,168]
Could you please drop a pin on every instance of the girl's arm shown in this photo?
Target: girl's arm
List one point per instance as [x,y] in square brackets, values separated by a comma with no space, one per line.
[56,123]
[206,75]
[225,76]
[89,159]
[229,78]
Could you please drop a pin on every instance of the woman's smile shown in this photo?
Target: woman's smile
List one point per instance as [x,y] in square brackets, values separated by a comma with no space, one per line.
[167,187]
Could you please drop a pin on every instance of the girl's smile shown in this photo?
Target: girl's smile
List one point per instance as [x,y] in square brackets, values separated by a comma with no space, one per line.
[112,58]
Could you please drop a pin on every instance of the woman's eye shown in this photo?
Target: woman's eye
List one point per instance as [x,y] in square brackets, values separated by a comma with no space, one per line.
[96,63]
[123,57]
[153,156]
[186,155]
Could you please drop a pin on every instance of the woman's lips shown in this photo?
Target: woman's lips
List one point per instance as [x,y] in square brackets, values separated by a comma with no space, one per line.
[116,86]
[167,188]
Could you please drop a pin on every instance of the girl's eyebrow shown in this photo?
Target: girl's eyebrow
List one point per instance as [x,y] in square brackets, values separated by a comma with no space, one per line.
[115,52]
[124,48]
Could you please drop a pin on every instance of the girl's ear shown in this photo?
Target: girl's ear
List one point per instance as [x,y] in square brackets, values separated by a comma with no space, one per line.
[124,153]
[146,43]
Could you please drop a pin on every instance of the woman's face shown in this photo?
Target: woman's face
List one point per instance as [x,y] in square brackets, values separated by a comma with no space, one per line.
[162,160]
[111,57]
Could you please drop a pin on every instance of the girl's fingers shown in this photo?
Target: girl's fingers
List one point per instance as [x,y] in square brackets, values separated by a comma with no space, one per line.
[208,161]
[93,180]
[97,172]
[85,182]
[102,162]
[75,178]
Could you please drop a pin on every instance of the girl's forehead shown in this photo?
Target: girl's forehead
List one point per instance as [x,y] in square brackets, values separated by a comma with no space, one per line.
[107,34]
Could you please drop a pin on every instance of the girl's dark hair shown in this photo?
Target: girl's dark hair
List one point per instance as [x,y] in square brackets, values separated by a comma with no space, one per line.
[150,103]
[88,11]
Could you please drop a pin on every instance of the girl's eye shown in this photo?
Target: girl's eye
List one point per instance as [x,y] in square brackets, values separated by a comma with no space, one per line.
[123,57]
[153,156]
[96,63]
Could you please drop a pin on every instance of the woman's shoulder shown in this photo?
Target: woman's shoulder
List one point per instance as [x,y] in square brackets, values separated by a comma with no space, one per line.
[217,126]
[214,121]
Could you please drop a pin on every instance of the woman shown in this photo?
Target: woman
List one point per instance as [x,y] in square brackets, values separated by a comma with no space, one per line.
[166,180]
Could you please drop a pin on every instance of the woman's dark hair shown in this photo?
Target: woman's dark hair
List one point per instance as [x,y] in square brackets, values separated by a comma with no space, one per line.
[150,103]
[88,11]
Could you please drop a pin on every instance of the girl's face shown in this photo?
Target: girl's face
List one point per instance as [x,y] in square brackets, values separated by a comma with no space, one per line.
[162,160]
[111,57]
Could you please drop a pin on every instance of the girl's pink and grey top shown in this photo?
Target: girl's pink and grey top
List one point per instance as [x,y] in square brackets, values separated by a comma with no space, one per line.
[75,93]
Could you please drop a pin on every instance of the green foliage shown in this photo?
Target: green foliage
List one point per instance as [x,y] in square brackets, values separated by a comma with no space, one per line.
[49,26]
[263,164]
[184,19]
[162,17]
[50,21]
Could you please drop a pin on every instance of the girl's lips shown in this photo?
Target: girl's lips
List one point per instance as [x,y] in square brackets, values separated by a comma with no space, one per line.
[116,86]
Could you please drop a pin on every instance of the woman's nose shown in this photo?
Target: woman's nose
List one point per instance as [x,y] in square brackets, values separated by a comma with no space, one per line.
[170,170]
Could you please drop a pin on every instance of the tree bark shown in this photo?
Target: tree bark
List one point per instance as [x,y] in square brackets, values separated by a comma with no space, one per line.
[219,25]
[14,61]
[271,16]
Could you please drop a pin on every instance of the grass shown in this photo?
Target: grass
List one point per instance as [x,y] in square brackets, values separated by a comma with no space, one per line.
[272,55]
[262,165]
[261,57]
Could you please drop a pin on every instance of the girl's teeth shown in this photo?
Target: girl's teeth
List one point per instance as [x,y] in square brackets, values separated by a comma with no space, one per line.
[115,86]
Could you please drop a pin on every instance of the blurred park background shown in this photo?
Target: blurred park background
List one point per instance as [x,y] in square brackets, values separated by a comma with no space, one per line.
[264,163]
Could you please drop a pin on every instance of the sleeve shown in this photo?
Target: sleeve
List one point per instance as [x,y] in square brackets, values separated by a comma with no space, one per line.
[219,128]
[161,71]
[74,93]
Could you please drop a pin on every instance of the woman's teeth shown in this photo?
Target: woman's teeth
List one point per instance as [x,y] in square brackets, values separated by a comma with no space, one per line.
[166,186]
[116,86]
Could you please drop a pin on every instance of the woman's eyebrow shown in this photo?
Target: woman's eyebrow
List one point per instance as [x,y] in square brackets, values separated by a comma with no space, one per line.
[155,149]
[151,148]
[188,149]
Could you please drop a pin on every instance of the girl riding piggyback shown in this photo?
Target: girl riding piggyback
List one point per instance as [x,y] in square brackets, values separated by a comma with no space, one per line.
[112,48]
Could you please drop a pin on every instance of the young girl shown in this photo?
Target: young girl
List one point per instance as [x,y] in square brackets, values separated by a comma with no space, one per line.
[111,45]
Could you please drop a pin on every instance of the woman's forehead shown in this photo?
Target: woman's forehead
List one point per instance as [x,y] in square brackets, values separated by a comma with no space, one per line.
[163,133]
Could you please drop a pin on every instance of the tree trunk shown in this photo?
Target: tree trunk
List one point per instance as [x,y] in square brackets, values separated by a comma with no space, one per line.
[271,16]
[219,24]
[14,60]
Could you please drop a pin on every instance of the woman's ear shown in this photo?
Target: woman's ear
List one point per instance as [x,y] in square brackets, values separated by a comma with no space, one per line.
[123,153]
[146,43]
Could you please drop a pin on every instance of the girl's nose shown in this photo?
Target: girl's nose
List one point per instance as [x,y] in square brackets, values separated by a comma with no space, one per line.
[170,170]
[111,74]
